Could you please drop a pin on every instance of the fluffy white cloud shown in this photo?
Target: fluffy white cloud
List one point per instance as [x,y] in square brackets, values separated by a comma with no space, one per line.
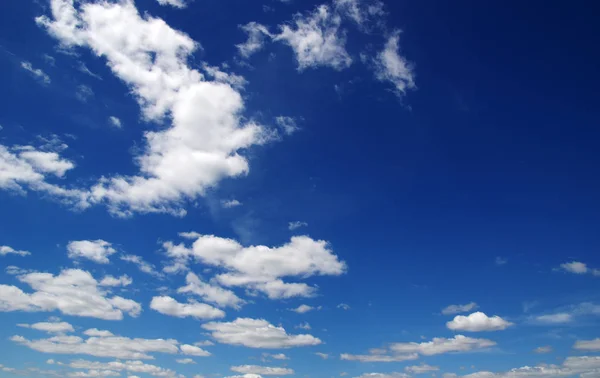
[457,309]
[73,292]
[97,333]
[245,376]
[278,356]
[256,39]
[411,351]
[302,309]
[261,267]
[142,265]
[572,366]
[390,66]
[50,327]
[6,250]
[174,3]
[124,366]
[169,306]
[112,346]
[210,292]
[115,122]
[94,373]
[36,72]
[192,350]
[116,281]
[261,370]
[575,267]
[257,333]
[421,369]
[383,375]
[202,145]
[478,322]
[296,225]
[555,318]
[95,250]
[588,345]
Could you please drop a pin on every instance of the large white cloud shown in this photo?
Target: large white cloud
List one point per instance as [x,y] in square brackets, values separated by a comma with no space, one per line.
[478,322]
[210,292]
[262,370]
[95,250]
[73,292]
[169,306]
[257,333]
[261,267]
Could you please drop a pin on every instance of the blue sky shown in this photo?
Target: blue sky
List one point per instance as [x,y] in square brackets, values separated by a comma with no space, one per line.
[230,188]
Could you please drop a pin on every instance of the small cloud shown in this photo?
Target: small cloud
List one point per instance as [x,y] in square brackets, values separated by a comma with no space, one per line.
[83,68]
[457,309]
[500,261]
[84,93]
[575,267]
[115,122]
[287,124]
[543,350]
[49,59]
[304,326]
[344,306]
[324,356]
[302,309]
[296,225]
[36,72]
[478,322]
[228,204]
[559,318]
[186,361]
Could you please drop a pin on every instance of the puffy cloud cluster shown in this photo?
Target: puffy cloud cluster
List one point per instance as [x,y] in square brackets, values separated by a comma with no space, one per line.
[72,292]
[95,250]
[169,306]
[123,366]
[6,250]
[478,322]
[210,292]
[583,367]
[257,333]
[577,267]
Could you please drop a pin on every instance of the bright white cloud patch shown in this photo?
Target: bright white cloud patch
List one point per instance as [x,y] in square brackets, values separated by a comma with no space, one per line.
[391,67]
[457,309]
[302,309]
[261,268]
[116,281]
[584,367]
[137,367]
[575,267]
[383,375]
[211,293]
[186,361]
[207,133]
[262,370]
[115,122]
[36,73]
[97,333]
[421,369]
[256,39]
[6,250]
[478,322]
[228,204]
[257,333]
[169,306]
[193,350]
[73,292]
[555,318]
[50,327]
[174,3]
[95,250]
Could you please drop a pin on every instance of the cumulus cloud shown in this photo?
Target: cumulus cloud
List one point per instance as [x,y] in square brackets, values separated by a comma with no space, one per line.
[73,292]
[383,375]
[210,292]
[391,67]
[193,350]
[421,369]
[261,268]
[116,281]
[50,327]
[6,250]
[588,345]
[262,370]
[575,267]
[583,366]
[278,356]
[97,333]
[186,361]
[124,366]
[169,306]
[94,250]
[207,133]
[457,309]
[302,309]
[257,333]
[36,73]
[412,350]
[478,322]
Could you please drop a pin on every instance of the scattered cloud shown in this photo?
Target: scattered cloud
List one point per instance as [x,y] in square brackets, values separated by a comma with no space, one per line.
[543,349]
[261,370]
[193,350]
[228,204]
[324,356]
[36,73]
[289,126]
[555,318]
[257,34]
[421,369]
[84,93]
[343,306]
[142,265]
[501,261]
[123,366]
[302,309]
[94,332]
[83,68]
[257,333]
[304,326]
[458,309]
[116,281]
[95,250]
[590,345]
[582,366]
[115,122]
[185,361]
[383,375]
[6,250]
[296,225]
[575,267]
[74,292]
[210,292]
[391,67]
[478,322]
[278,356]
[50,327]
[169,306]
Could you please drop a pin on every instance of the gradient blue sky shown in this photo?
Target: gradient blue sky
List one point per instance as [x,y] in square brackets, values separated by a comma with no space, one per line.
[376,161]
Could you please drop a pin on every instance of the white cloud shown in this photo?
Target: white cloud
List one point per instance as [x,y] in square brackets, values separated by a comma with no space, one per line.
[575,267]
[257,333]
[588,345]
[344,306]
[304,325]
[278,356]
[583,367]
[113,346]
[296,225]
[555,318]
[411,351]
[50,327]
[186,361]
[324,356]
[261,370]
[36,72]
[142,265]
[94,373]
[114,281]
[256,39]
[174,3]
[543,349]
[245,376]
[73,292]
[179,162]
[210,292]
[421,369]
[478,322]
[192,350]
[500,261]
[289,126]
[362,12]
[95,250]
[6,250]
[390,66]
[84,93]
[228,204]
[261,268]
[115,122]
[302,309]
[169,306]
[124,366]
[457,309]
[383,375]
[97,333]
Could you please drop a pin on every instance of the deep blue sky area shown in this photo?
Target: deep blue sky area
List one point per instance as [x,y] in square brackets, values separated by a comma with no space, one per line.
[463,206]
